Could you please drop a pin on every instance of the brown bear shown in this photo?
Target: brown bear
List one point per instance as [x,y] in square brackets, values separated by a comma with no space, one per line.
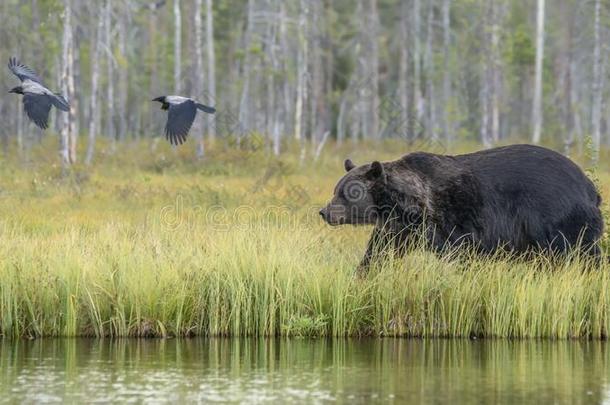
[518,198]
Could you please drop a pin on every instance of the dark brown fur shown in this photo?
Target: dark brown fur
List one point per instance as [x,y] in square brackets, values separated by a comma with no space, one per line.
[519,198]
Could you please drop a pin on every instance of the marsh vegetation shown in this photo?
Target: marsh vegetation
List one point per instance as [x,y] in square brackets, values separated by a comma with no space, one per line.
[165,245]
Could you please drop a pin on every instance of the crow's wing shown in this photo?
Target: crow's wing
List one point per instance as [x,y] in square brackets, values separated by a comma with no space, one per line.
[179,121]
[22,71]
[60,102]
[37,107]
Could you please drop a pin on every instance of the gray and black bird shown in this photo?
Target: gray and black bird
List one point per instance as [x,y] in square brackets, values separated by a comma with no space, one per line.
[37,99]
[181,113]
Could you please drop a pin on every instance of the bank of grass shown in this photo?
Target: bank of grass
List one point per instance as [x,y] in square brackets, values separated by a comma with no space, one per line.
[155,243]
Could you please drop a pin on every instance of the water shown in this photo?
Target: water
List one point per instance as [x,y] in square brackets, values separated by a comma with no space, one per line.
[303,371]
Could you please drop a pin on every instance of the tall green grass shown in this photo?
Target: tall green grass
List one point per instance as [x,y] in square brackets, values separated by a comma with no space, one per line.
[167,246]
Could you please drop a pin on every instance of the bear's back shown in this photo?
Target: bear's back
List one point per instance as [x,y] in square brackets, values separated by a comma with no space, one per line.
[509,172]
[530,169]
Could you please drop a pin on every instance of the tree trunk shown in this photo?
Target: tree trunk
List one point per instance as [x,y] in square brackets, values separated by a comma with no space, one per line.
[565,91]
[363,78]
[417,95]
[317,102]
[537,106]
[302,62]
[403,72]
[211,59]
[484,93]
[200,150]
[72,114]
[287,113]
[429,67]
[373,31]
[596,85]
[272,107]
[447,130]
[110,131]
[95,73]
[484,97]
[177,47]
[244,102]
[494,76]
[67,86]
[123,74]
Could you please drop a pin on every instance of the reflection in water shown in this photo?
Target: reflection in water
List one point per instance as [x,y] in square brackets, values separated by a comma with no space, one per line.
[236,370]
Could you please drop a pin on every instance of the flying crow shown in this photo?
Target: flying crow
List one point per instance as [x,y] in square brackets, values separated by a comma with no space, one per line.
[181,114]
[37,99]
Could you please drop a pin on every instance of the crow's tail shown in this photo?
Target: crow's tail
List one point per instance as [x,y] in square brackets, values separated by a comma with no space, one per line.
[60,102]
[205,108]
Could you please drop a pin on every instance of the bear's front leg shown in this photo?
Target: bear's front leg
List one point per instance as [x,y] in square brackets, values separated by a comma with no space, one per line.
[384,241]
[376,245]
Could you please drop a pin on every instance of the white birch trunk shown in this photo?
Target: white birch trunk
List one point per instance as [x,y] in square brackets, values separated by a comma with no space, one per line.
[302,61]
[244,102]
[211,59]
[596,85]
[537,106]
[123,75]
[110,77]
[417,95]
[177,47]
[447,103]
[403,70]
[287,112]
[494,74]
[66,55]
[373,19]
[429,65]
[200,150]
[95,73]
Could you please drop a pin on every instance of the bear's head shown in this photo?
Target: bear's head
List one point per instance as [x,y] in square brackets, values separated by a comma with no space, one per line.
[376,193]
[353,201]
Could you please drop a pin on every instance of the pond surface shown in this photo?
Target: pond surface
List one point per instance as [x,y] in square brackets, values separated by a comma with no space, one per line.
[303,371]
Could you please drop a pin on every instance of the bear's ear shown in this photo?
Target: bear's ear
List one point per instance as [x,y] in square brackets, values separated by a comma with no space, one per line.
[376,172]
[349,165]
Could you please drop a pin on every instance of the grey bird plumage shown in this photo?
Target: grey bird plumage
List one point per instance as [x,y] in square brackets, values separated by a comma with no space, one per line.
[37,99]
[181,113]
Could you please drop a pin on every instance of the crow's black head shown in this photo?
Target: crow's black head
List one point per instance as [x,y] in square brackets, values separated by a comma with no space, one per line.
[18,90]
[159,99]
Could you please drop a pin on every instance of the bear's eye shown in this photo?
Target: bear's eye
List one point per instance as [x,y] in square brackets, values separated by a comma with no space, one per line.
[355,191]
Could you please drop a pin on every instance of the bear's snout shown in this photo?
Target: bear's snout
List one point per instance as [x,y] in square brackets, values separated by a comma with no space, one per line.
[333,214]
[323,213]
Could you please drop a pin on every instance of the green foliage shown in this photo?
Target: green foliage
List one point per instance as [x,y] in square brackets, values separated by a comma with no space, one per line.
[306,326]
[521,52]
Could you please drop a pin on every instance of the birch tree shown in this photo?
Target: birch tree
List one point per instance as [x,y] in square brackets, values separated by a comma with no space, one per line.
[429,67]
[302,62]
[417,95]
[177,47]
[373,49]
[123,71]
[68,131]
[403,68]
[596,84]
[110,130]
[244,102]
[200,149]
[211,59]
[537,105]
[304,68]
[446,70]
[95,74]
[485,75]
[495,66]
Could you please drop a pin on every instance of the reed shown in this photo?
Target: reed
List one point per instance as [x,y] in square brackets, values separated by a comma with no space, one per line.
[233,246]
